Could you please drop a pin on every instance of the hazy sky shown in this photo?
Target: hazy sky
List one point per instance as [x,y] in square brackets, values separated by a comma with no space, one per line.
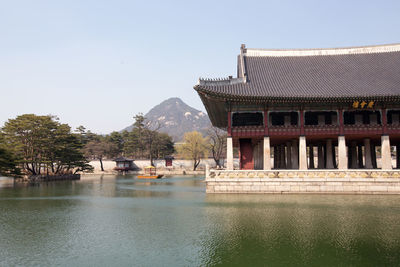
[97,63]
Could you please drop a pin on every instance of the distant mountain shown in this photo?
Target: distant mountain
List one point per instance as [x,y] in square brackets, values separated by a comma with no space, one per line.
[176,118]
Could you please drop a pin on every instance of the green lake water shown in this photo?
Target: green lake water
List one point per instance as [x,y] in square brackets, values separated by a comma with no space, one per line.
[122,221]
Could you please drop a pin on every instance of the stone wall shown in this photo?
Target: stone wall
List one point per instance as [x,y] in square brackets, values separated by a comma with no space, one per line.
[177,165]
[47,178]
[285,182]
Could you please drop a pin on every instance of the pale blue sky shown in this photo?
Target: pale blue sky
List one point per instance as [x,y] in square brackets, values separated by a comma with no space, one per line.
[97,63]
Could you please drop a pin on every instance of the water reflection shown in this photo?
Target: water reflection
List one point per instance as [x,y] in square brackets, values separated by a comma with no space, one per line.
[303,229]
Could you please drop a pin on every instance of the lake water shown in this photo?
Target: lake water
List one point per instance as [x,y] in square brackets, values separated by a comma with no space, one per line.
[122,221]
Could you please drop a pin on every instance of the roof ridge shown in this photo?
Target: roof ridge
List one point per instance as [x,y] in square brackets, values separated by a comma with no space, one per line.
[254,52]
[221,81]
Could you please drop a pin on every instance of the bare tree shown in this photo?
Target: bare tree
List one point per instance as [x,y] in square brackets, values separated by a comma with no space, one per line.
[99,149]
[217,139]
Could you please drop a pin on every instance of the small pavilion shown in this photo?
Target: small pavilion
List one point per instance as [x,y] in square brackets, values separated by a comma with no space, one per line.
[124,164]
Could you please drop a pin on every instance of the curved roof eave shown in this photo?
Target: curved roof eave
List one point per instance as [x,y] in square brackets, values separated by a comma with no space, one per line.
[233,97]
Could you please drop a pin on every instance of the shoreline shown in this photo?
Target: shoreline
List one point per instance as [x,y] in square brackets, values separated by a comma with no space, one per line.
[163,172]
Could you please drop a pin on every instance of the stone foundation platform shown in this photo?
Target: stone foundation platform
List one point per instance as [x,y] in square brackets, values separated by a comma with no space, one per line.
[295,182]
[48,178]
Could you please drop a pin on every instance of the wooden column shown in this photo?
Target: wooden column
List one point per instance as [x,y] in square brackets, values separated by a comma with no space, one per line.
[386,157]
[384,121]
[353,151]
[295,154]
[321,158]
[229,123]
[373,156]
[367,153]
[334,157]
[280,163]
[329,155]
[341,122]
[266,129]
[398,156]
[288,155]
[283,156]
[311,157]
[349,156]
[360,157]
[301,122]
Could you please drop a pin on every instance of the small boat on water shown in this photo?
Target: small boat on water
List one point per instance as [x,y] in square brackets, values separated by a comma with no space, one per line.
[150,172]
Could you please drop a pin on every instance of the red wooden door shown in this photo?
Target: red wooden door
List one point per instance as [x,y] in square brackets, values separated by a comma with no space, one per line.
[246,155]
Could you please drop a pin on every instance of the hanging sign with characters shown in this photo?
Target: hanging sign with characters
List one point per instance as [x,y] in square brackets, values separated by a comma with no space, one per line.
[363,104]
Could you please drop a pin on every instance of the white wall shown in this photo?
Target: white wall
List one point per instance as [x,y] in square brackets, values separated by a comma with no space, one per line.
[109,165]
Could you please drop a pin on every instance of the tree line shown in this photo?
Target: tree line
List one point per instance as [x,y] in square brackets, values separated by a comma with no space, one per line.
[41,145]
[142,142]
[38,145]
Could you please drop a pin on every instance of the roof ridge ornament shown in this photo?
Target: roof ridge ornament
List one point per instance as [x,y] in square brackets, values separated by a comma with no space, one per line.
[220,81]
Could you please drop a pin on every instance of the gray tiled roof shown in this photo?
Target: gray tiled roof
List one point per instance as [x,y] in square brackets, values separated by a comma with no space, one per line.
[371,74]
[122,159]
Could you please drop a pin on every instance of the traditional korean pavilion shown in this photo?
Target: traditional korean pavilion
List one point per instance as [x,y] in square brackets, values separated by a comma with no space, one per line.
[309,108]
[124,164]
